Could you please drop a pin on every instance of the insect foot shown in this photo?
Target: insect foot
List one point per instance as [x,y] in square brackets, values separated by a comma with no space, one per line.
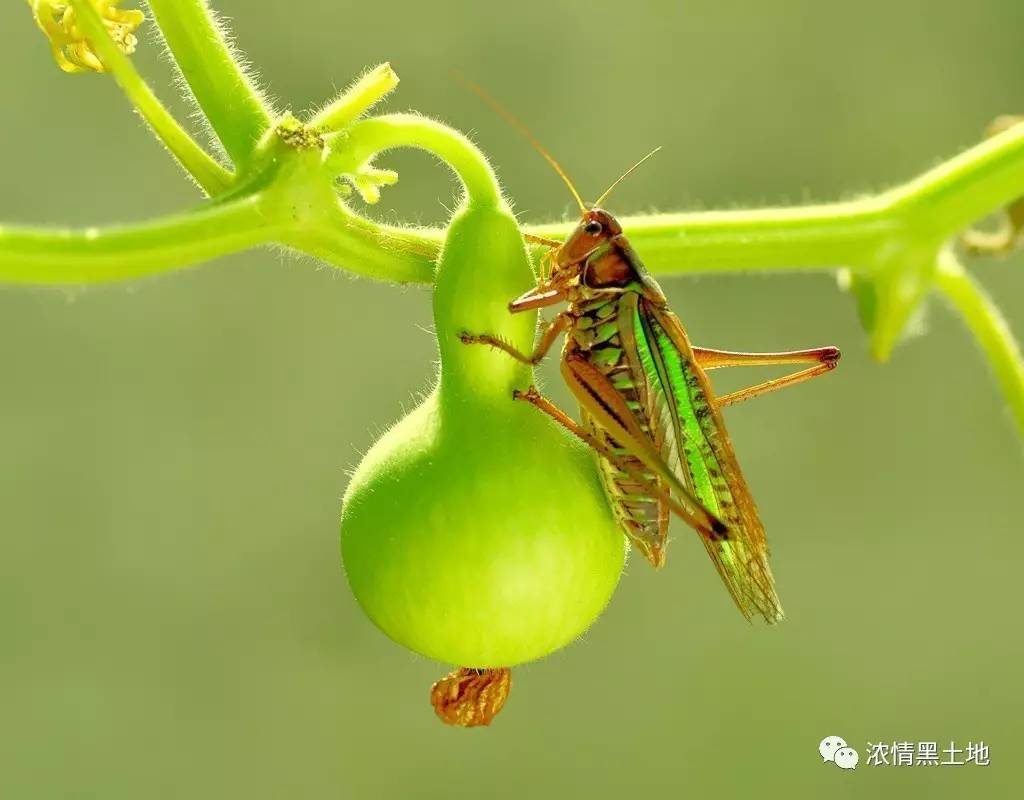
[530,395]
[484,338]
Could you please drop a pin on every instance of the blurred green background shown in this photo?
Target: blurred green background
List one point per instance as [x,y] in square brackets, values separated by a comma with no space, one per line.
[174,618]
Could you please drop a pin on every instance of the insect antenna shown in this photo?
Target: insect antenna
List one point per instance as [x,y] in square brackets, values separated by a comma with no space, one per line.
[623,176]
[516,123]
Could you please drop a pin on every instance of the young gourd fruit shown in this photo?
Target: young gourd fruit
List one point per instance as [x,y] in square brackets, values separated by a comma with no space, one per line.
[475,531]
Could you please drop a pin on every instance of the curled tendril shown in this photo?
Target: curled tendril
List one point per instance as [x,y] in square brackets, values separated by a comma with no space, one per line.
[71,50]
[1011,233]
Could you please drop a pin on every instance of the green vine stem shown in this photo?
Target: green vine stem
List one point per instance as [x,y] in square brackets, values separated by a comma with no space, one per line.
[391,253]
[925,211]
[893,245]
[987,324]
[384,253]
[800,237]
[235,109]
[210,175]
[93,255]
[857,233]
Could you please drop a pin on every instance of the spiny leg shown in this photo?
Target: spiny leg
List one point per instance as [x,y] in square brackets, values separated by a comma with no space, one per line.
[709,358]
[536,399]
[773,385]
[825,360]
[547,339]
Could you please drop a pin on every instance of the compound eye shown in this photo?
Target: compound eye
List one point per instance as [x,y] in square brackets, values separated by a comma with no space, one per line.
[593,227]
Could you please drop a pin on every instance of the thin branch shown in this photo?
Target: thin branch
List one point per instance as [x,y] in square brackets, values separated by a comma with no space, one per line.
[210,175]
[990,327]
[93,255]
[230,101]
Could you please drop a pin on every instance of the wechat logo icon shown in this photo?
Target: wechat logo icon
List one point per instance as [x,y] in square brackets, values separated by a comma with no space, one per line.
[835,749]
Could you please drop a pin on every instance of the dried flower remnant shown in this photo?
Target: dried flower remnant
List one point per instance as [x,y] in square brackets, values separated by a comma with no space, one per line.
[299,136]
[470,697]
[71,48]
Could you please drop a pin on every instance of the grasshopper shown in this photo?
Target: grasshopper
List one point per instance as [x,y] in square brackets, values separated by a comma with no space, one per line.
[647,406]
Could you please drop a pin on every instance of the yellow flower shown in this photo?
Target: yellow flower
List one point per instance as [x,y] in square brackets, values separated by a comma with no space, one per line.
[70,48]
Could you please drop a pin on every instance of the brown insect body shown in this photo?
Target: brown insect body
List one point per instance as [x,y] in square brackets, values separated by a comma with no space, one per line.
[608,290]
[599,266]
[647,406]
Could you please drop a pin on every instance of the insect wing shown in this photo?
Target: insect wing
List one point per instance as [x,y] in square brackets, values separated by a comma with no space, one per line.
[609,413]
[694,442]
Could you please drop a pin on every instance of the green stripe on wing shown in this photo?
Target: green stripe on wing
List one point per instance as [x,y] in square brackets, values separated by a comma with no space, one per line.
[680,404]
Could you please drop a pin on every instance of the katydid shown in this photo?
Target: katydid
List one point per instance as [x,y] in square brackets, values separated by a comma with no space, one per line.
[647,406]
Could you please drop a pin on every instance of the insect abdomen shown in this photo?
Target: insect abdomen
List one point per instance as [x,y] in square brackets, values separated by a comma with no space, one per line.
[597,338]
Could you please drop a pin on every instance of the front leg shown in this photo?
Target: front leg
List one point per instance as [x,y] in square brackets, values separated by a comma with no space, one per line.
[551,332]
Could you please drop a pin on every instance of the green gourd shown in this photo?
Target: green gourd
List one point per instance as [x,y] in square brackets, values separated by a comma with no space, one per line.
[475,531]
